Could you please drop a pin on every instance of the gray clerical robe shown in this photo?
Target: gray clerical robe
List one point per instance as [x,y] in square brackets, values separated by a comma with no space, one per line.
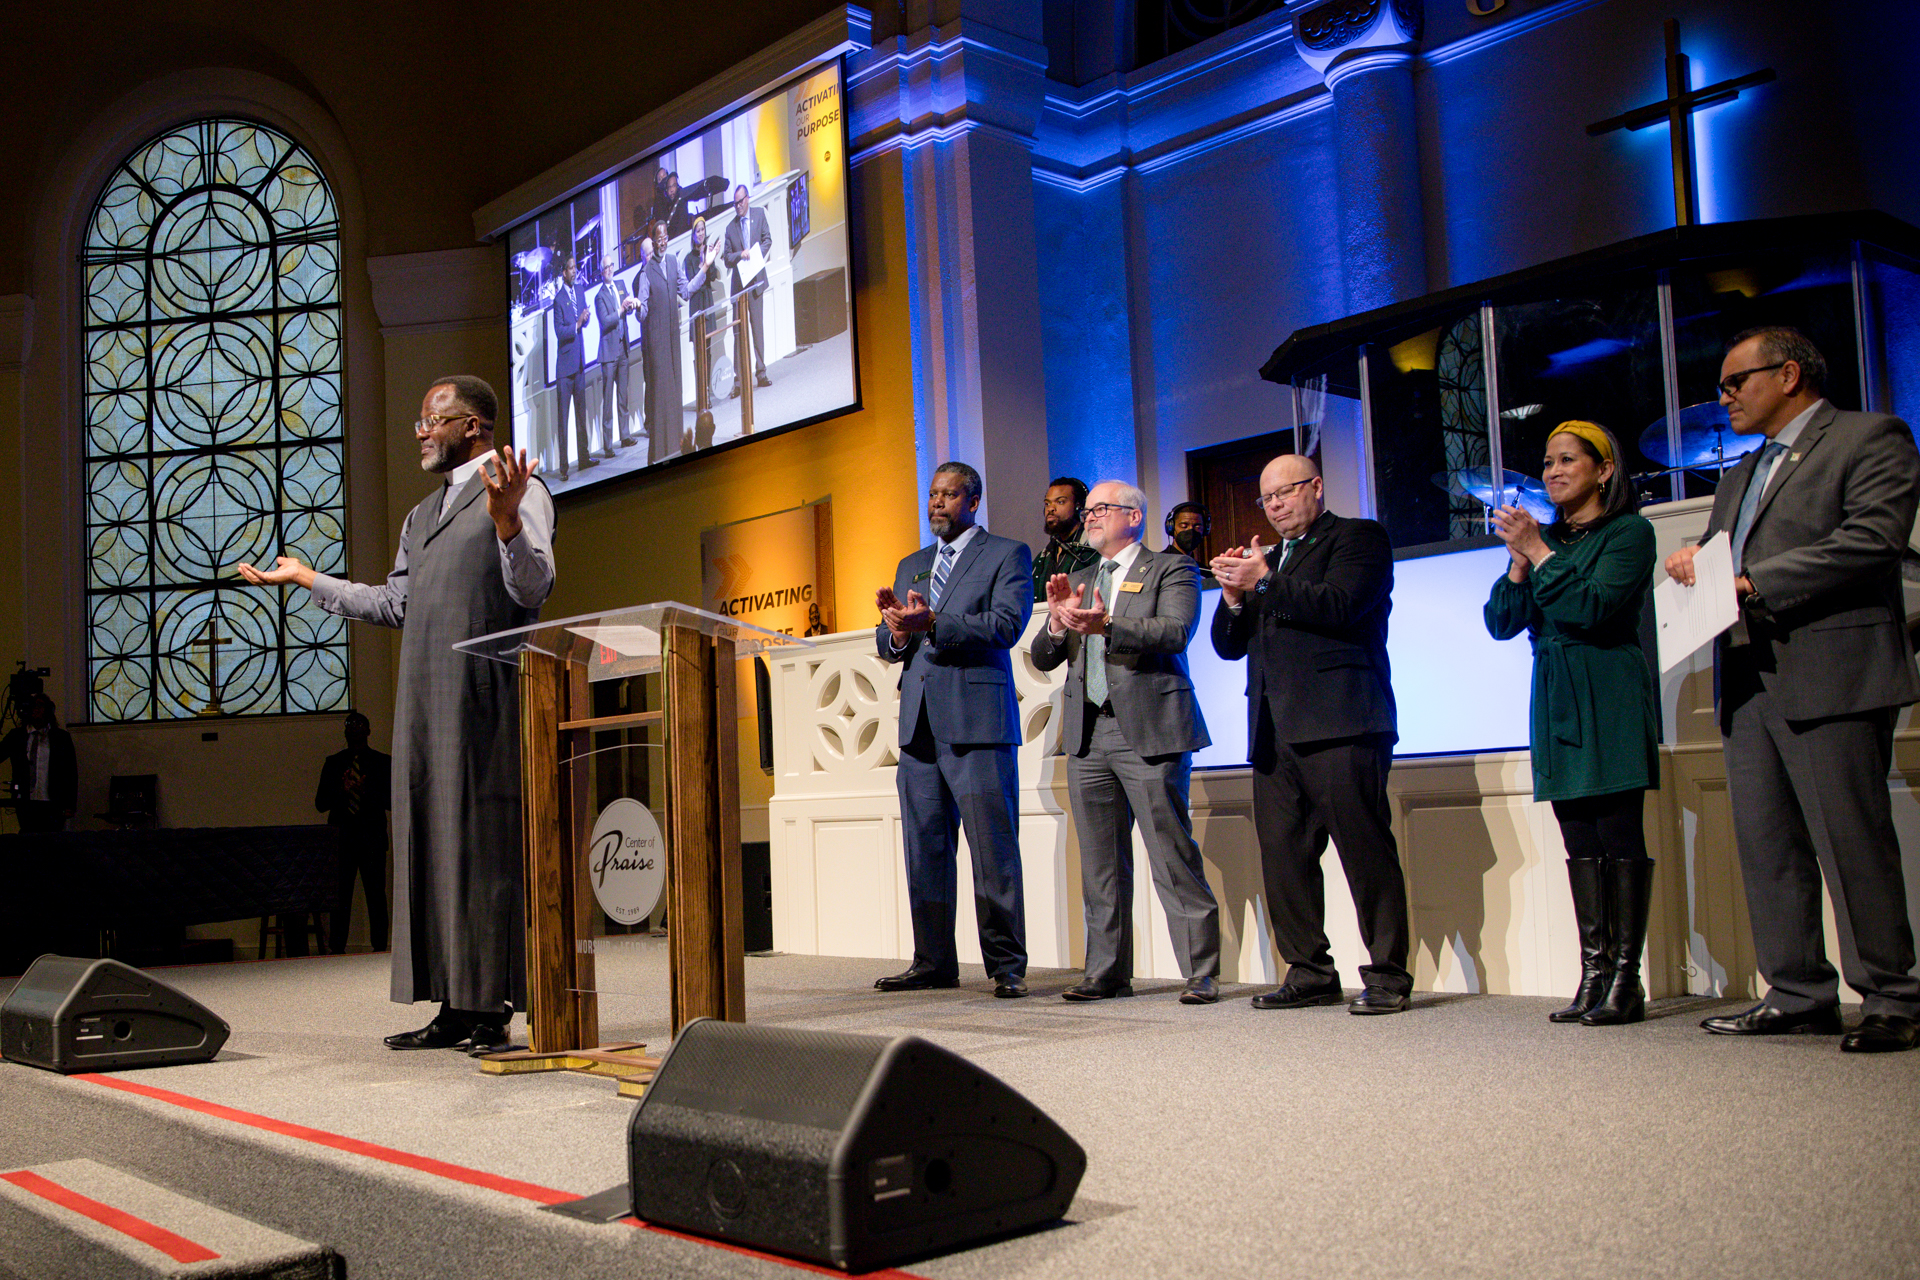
[459,932]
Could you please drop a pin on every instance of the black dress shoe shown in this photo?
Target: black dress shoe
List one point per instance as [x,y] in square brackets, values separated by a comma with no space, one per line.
[1765,1020]
[1009,988]
[443,1032]
[1379,1000]
[1882,1033]
[1202,989]
[915,980]
[1292,997]
[487,1037]
[1097,991]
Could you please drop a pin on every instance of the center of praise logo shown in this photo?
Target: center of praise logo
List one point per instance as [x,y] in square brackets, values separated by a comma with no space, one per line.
[627,861]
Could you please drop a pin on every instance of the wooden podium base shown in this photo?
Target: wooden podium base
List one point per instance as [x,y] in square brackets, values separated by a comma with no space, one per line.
[624,1063]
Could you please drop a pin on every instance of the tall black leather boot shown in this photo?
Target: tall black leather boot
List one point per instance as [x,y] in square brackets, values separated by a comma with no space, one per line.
[1626,999]
[1588,879]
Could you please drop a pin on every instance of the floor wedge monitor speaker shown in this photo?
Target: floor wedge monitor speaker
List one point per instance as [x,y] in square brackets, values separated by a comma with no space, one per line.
[71,1014]
[852,1151]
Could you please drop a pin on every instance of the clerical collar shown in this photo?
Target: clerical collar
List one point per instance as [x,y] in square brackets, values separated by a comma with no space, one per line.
[464,472]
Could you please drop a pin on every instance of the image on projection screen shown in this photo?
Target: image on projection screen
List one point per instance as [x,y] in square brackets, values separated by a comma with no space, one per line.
[697,299]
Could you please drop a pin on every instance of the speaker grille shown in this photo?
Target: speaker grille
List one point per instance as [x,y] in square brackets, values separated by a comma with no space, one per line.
[780,1074]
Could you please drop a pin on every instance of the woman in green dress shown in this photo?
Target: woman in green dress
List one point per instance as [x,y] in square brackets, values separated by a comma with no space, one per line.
[1578,588]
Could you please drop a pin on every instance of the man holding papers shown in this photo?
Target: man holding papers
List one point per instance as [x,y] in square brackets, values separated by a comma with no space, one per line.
[749,243]
[1810,681]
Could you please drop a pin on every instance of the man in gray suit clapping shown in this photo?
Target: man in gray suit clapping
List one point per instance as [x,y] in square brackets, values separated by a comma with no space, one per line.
[1130,728]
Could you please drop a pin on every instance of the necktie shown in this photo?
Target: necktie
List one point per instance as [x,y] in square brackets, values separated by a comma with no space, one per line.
[1750,501]
[352,781]
[1286,549]
[1097,645]
[941,567]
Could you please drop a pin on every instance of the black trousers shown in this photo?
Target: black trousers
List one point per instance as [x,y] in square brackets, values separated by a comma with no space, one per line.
[362,854]
[1606,826]
[1302,794]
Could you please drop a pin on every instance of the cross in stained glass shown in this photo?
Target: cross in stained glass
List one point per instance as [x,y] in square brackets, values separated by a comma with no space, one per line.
[211,643]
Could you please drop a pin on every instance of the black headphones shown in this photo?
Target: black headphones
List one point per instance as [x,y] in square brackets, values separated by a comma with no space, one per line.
[1206,521]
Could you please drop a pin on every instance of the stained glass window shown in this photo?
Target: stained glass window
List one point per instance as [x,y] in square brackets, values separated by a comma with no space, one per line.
[211,329]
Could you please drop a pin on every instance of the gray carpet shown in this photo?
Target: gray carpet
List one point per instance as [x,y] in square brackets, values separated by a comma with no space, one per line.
[1468,1137]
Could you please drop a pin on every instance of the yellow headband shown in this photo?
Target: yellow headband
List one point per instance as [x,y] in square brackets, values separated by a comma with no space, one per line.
[1592,432]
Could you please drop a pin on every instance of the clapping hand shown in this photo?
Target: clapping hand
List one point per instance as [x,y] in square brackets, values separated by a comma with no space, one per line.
[1088,621]
[1239,570]
[901,619]
[1521,532]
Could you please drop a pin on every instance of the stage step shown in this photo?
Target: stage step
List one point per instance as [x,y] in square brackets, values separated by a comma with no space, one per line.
[90,1221]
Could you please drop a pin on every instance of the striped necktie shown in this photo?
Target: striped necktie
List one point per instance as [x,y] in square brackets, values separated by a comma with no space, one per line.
[1097,645]
[941,567]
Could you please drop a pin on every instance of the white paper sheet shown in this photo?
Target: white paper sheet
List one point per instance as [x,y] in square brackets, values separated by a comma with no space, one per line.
[750,265]
[1689,617]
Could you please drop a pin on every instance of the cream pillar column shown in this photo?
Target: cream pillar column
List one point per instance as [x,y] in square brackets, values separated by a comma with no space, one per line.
[954,104]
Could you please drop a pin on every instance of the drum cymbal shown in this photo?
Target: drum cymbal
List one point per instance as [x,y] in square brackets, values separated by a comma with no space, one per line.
[1515,489]
[1707,439]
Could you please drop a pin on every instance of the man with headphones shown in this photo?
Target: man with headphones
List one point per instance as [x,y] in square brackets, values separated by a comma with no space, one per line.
[1187,527]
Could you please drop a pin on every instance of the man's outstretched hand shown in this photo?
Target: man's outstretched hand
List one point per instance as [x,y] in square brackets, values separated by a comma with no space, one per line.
[286,569]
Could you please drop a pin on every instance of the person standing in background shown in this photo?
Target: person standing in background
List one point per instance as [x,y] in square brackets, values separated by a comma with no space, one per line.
[612,304]
[356,790]
[46,772]
[749,228]
[1061,516]
[570,317]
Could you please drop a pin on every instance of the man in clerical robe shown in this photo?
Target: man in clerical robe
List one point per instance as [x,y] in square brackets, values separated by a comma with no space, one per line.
[476,556]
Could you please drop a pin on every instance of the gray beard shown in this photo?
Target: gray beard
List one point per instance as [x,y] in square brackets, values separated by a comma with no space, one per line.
[439,461]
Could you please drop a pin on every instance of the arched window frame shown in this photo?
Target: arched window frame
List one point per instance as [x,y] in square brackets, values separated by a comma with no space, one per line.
[213,432]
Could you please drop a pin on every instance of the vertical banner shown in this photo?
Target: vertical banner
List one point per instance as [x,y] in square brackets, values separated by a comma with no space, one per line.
[773,571]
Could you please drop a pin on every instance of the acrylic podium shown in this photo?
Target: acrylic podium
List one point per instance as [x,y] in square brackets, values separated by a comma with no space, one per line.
[692,653]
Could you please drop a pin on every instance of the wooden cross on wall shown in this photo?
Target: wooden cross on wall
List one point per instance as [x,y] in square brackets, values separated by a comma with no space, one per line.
[211,642]
[1677,110]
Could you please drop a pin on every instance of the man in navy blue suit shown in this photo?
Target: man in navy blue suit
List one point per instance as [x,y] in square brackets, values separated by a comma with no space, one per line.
[569,322]
[955,611]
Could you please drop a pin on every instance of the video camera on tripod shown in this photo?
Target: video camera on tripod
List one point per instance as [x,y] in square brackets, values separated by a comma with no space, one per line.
[23,686]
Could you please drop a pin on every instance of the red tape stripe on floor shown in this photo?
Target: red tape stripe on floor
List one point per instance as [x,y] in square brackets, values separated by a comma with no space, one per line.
[440,1168]
[353,1146]
[177,1247]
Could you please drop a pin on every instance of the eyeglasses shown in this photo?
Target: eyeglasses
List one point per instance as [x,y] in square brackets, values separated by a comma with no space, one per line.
[1266,500]
[1103,509]
[1731,384]
[433,420]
